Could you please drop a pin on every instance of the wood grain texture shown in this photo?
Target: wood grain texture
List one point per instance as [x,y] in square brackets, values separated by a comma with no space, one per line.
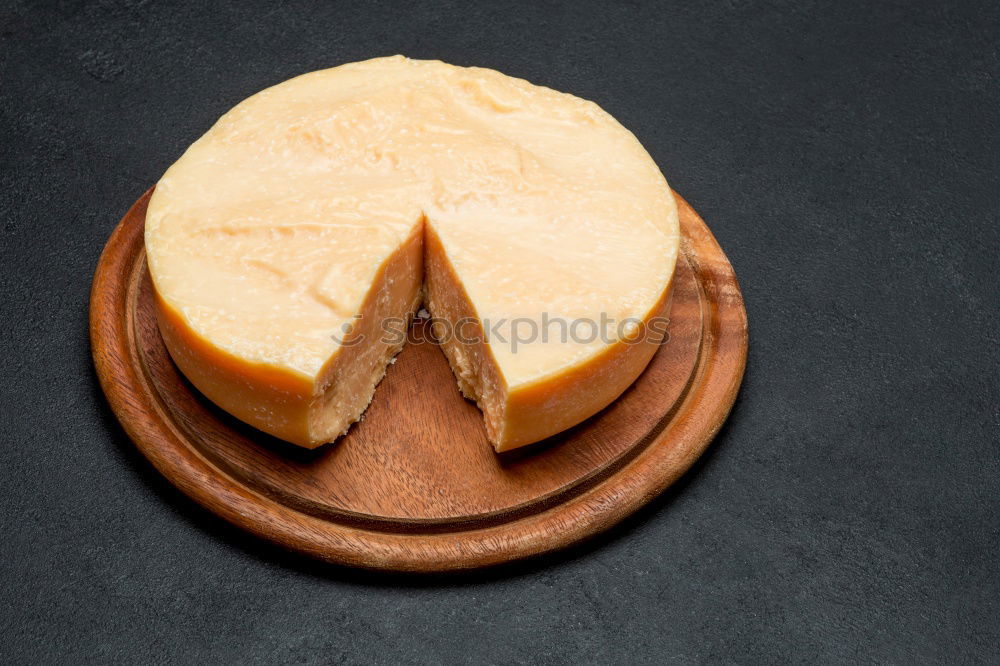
[415,486]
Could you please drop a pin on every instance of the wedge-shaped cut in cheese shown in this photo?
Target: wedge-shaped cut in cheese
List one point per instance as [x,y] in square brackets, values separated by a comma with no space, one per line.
[289,244]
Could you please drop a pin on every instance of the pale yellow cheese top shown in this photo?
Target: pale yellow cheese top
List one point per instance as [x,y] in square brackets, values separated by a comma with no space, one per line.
[267,234]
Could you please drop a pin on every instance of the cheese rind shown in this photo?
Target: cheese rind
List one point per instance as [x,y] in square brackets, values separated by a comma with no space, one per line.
[315,207]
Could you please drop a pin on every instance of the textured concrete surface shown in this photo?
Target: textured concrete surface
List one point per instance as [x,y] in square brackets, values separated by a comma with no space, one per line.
[846,155]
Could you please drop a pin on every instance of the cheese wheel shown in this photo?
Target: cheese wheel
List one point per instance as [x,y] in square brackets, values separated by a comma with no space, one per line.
[290,245]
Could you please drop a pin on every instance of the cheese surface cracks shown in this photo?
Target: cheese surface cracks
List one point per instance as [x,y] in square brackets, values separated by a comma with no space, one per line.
[314,212]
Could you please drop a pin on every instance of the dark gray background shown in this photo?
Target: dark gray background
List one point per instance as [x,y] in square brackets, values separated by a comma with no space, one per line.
[846,155]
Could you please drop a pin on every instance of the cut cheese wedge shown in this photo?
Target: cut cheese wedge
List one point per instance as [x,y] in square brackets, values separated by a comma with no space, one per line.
[290,245]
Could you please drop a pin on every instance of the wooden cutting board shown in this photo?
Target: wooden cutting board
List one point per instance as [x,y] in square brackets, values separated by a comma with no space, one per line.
[415,486]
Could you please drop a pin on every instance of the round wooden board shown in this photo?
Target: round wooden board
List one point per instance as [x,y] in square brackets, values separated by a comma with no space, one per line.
[415,486]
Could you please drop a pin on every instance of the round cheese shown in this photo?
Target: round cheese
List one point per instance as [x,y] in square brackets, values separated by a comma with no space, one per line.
[291,243]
